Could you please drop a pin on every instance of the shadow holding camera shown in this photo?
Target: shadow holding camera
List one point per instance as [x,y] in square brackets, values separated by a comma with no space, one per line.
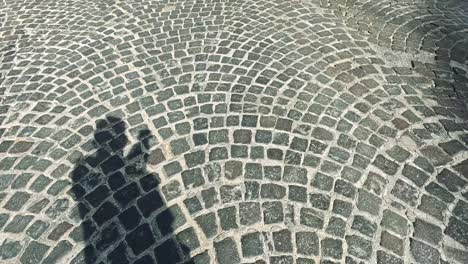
[124,217]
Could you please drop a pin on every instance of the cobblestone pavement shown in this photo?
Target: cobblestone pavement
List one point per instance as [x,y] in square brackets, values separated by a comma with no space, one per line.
[234,131]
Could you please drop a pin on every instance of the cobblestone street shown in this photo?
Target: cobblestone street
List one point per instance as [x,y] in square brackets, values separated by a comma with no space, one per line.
[233,131]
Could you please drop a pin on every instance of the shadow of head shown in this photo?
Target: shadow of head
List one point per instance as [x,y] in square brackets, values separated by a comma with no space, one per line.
[110,132]
[109,141]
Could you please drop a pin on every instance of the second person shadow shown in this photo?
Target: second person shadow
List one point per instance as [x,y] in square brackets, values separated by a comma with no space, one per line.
[123,216]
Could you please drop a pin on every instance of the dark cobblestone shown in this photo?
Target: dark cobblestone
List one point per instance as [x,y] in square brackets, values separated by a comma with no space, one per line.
[10,249]
[252,245]
[392,243]
[368,202]
[336,226]
[405,192]
[458,230]
[226,251]
[18,223]
[17,201]
[394,222]
[249,213]
[307,243]
[424,253]
[383,257]
[385,165]
[34,253]
[417,176]
[37,229]
[364,226]
[311,218]
[436,155]
[427,232]
[433,206]
[359,247]
[451,180]
[332,248]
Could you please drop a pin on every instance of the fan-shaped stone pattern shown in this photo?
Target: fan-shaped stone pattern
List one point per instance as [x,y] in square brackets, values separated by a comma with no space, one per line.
[416,26]
[232,132]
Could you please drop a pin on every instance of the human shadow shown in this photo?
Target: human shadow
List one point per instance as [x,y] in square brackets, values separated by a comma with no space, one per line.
[123,216]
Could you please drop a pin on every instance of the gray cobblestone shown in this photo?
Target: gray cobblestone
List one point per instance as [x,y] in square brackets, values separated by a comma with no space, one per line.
[424,253]
[226,251]
[34,253]
[10,249]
